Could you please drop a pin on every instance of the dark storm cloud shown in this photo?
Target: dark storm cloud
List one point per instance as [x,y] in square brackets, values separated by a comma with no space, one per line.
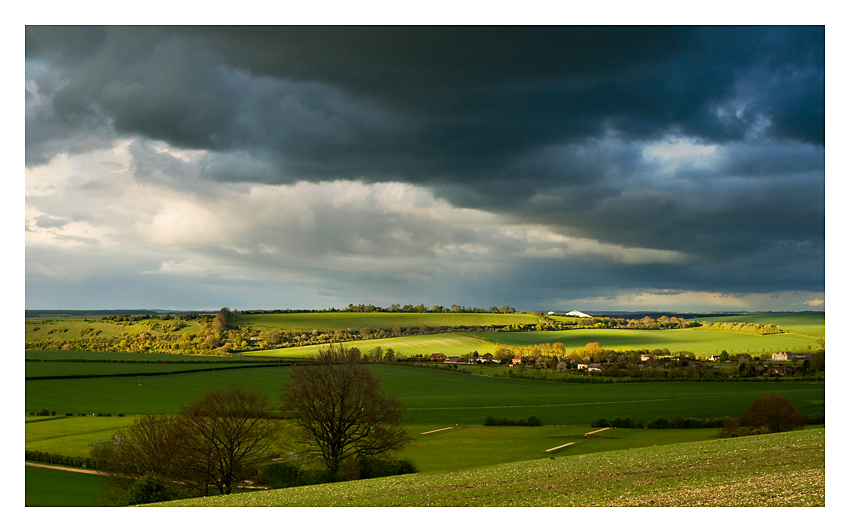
[547,125]
[468,96]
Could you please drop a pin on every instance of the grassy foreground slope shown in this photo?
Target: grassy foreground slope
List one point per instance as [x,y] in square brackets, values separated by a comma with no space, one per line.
[786,469]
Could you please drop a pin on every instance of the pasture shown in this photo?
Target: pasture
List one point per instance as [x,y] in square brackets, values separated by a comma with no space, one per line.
[54,487]
[810,323]
[70,436]
[70,328]
[467,446]
[701,342]
[785,469]
[434,396]
[331,321]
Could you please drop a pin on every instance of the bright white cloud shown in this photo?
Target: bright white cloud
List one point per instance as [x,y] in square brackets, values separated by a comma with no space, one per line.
[125,203]
[680,149]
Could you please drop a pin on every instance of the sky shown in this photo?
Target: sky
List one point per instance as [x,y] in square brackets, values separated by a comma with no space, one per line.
[676,168]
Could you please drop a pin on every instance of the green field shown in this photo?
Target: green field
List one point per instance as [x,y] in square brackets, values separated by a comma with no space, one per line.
[70,436]
[434,396]
[786,469]
[53,487]
[810,323]
[698,341]
[331,321]
[71,328]
[467,446]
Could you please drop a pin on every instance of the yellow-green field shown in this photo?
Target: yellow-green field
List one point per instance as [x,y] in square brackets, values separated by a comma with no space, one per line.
[450,344]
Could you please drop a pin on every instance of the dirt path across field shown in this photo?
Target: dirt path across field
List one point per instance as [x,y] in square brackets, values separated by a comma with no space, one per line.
[63,468]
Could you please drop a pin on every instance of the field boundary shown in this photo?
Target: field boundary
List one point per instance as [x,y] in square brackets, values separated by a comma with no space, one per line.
[153,373]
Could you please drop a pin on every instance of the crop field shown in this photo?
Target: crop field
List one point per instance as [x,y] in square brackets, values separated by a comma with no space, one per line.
[785,469]
[450,344]
[70,436]
[467,446]
[434,396]
[811,323]
[330,321]
[75,328]
[698,341]
[53,487]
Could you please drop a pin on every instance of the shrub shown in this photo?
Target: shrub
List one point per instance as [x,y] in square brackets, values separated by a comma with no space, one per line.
[622,422]
[282,475]
[773,413]
[532,421]
[815,419]
[658,423]
[149,489]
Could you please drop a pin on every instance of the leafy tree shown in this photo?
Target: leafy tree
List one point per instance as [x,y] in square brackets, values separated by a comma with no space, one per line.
[339,411]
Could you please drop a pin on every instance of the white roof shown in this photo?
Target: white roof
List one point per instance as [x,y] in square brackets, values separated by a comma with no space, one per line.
[578,314]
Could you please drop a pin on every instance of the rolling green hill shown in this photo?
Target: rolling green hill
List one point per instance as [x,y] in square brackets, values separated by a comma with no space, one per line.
[786,469]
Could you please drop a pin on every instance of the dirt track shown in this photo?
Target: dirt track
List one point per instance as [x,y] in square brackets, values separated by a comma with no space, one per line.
[63,468]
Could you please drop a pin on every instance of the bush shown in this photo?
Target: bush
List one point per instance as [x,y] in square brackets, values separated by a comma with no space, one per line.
[658,423]
[815,419]
[600,422]
[149,489]
[622,422]
[282,475]
[532,421]
[679,422]
[773,413]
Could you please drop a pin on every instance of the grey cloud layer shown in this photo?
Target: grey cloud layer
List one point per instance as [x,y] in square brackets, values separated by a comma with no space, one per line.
[554,126]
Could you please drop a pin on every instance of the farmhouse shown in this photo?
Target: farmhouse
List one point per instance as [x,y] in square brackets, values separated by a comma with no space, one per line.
[782,355]
[437,356]
[453,360]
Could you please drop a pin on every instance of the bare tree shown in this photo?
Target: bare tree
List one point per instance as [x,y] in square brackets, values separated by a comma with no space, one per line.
[339,411]
[224,437]
[146,450]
